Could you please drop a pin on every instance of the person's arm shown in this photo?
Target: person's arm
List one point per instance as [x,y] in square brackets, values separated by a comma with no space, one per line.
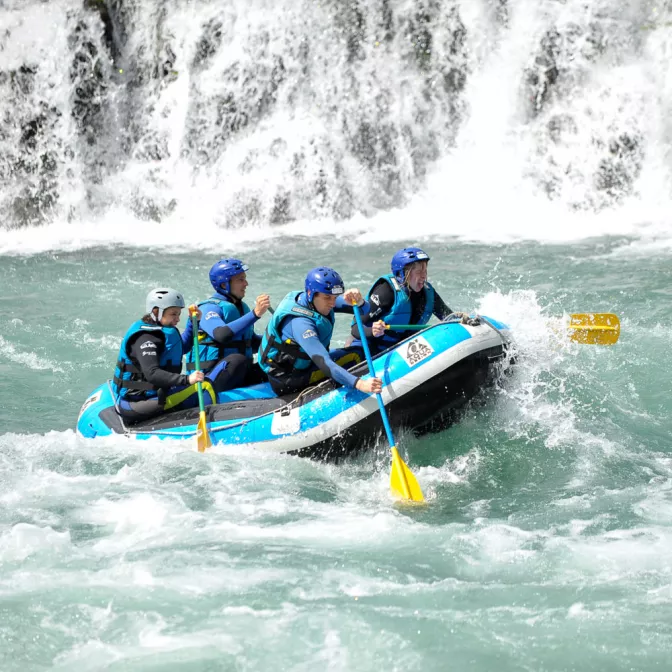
[145,350]
[441,310]
[305,334]
[380,302]
[221,332]
[188,336]
[344,306]
[188,333]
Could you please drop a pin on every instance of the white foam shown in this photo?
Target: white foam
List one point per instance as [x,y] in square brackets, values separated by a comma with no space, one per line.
[24,540]
[30,359]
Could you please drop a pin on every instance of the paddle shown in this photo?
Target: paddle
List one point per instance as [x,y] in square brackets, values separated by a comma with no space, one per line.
[402,481]
[406,327]
[587,328]
[594,328]
[203,441]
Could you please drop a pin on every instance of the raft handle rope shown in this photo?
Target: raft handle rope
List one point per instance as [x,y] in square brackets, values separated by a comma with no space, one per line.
[505,340]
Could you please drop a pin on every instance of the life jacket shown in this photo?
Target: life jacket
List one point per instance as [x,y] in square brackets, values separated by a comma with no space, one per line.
[278,357]
[210,351]
[400,313]
[128,378]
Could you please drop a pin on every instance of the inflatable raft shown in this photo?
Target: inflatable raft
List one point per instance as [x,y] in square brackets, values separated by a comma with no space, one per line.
[426,378]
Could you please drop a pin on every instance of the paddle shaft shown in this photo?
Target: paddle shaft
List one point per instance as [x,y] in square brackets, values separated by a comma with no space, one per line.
[367,354]
[406,327]
[197,362]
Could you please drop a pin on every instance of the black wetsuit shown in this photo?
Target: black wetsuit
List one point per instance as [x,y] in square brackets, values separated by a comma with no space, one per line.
[228,374]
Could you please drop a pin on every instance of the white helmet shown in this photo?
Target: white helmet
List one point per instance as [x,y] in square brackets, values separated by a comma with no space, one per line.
[162,298]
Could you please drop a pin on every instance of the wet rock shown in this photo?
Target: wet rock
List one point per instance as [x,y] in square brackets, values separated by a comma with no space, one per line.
[541,78]
[251,95]
[148,209]
[281,210]
[420,35]
[89,77]
[351,25]
[245,210]
[617,173]
[209,44]
[559,125]
[455,60]
[386,22]
[501,8]
[33,207]
[100,6]
[23,80]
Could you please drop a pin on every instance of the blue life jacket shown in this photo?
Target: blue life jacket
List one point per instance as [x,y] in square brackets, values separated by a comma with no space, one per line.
[399,314]
[278,357]
[128,378]
[210,351]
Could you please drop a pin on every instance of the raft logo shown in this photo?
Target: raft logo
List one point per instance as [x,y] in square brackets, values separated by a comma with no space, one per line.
[416,350]
[91,400]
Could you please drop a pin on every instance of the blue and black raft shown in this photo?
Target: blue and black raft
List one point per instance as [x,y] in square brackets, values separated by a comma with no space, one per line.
[426,379]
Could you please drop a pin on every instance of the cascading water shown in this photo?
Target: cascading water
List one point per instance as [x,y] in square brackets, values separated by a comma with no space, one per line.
[261,113]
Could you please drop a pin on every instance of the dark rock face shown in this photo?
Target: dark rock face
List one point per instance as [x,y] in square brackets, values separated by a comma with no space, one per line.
[617,171]
[30,168]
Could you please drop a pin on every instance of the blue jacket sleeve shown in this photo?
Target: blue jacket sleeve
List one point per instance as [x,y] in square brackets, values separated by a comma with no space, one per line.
[303,332]
[212,323]
[188,336]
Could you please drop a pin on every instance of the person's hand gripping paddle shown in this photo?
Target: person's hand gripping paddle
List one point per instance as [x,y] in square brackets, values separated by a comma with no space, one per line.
[203,441]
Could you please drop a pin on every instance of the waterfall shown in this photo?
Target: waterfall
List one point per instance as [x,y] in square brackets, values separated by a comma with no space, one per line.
[263,112]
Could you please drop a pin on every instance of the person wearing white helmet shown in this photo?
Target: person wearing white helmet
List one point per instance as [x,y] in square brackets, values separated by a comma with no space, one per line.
[147,378]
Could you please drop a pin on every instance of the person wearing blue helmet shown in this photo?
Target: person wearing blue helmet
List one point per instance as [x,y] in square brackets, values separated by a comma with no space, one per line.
[402,297]
[227,325]
[147,377]
[294,350]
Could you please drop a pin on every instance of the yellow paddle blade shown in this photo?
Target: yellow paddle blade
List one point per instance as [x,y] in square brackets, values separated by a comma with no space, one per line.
[402,482]
[594,328]
[202,435]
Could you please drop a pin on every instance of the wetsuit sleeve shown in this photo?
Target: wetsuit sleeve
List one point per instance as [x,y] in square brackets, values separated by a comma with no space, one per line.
[381,301]
[221,332]
[304,333]
[441,310]
[145,350]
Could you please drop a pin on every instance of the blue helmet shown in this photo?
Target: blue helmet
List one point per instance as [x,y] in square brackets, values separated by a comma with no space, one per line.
[222,272]
[324,280]
[403,258]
